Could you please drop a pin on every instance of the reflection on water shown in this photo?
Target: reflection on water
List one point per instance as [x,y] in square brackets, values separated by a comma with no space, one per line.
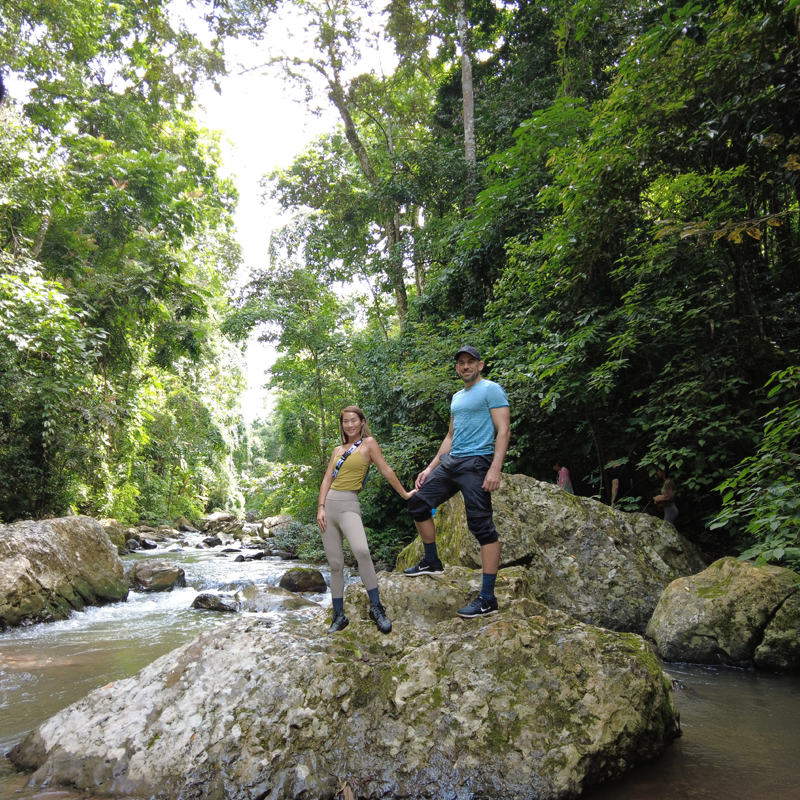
[740,729]
[741,741]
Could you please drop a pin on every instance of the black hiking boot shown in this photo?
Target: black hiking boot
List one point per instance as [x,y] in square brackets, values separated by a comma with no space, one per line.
[340,622]
[424,568]
[378,613]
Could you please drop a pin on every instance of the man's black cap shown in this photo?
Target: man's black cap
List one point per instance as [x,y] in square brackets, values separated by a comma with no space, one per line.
[468,349]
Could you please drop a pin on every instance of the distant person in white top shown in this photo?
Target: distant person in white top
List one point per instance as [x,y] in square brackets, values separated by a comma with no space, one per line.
[469,460]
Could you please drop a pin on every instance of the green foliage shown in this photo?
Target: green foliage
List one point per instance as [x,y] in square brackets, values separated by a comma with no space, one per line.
[281,488]
[300,540]
[763,498]
[125,504]
[116,247]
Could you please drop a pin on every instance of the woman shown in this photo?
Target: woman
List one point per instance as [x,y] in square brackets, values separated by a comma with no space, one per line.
[339,512]
[564,479]
[666,500]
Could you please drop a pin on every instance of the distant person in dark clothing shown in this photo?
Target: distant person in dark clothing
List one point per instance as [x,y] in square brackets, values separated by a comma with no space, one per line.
[564,479]
[621,481]
[666,500]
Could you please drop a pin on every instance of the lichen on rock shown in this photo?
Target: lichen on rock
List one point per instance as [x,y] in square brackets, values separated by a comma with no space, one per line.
[733,613]
[602,566]
[529,703]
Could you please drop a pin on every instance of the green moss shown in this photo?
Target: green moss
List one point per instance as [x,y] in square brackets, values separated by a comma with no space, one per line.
[501,733]
[377,685]
[435,698]
[717,589]
[153,740]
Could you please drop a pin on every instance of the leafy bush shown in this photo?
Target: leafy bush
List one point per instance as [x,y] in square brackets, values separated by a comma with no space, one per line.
[124,506]
[764,497]
[301,540]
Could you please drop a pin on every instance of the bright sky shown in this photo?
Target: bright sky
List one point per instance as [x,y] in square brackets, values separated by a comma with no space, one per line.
[263,129]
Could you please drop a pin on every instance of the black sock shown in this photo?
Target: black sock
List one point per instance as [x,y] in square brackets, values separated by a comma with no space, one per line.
[374,597]
[431,553]
[338,604]
[487,590]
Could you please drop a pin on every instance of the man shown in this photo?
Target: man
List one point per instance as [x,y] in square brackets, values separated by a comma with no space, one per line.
[469,460]
[621,481]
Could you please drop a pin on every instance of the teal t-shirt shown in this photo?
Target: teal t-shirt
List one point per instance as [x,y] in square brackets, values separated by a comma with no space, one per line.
[473,427]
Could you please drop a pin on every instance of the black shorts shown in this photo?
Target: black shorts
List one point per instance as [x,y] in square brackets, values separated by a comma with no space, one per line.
[465,475]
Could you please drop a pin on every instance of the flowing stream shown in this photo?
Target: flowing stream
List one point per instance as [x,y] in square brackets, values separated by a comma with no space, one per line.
[741,730]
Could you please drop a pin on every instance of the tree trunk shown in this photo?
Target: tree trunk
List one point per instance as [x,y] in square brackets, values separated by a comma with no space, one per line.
[40,234]
[321,401]
[468,100]
[171,482]
[419,266]
[391,225]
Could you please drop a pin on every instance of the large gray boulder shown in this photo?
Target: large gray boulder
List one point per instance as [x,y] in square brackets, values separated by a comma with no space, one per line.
[526,704]
[602,566]
[732,613]
[51,567]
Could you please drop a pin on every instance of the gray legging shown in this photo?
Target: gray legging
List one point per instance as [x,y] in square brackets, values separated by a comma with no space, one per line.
[670,512]
[343,513]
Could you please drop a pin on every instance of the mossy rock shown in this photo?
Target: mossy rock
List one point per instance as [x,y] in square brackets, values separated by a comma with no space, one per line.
[528,703]
[48,568]
[602,566]
[303,579]
[726,613]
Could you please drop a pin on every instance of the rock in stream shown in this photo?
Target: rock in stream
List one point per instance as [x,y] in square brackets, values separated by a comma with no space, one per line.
[529,704]
[602,566]
[50,568]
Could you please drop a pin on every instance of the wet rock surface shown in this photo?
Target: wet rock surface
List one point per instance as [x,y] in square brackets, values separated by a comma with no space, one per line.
[49,568]
[527,704]
[303,579]
[732,613]
[210,601]
[602,566]
[151,575]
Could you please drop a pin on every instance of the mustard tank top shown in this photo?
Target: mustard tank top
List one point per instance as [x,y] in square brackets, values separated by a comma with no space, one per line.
[351,474]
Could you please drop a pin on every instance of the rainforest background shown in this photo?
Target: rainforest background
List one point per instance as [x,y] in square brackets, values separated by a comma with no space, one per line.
[601,195]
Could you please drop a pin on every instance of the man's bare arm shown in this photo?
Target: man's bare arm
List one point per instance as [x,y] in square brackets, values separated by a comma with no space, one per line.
[502,423]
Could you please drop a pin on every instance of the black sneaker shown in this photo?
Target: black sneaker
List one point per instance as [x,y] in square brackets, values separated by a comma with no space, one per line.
[378,613]
[340,622]
[479,607]
[424,568]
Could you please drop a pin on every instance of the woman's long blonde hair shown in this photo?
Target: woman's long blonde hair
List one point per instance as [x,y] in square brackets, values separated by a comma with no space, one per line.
[365,431]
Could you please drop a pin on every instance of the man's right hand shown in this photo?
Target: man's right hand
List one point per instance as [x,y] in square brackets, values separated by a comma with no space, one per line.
[421,478]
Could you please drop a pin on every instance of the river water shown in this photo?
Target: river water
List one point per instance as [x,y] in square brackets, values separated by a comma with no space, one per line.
[741,729]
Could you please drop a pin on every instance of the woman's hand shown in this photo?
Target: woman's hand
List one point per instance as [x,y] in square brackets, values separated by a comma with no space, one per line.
[322,520]
[408,495]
